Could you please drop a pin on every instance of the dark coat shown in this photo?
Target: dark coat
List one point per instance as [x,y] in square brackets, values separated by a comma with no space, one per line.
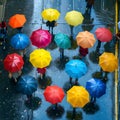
[90,2]
[83,51]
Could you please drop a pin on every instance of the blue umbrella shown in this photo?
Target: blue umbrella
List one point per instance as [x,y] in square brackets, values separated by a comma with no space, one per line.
[75,68]
[96,87]
[62,41]
[27,85]
[20,41]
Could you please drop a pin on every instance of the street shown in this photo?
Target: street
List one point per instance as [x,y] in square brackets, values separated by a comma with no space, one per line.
[12,105]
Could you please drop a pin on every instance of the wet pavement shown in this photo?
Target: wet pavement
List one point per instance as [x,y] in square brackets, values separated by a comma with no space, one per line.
[12,103]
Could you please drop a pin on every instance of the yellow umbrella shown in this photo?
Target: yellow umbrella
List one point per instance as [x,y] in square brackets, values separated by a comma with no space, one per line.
[50,14]
[108,62]
[74,18]
[85,39]
[40,58]
[78,96]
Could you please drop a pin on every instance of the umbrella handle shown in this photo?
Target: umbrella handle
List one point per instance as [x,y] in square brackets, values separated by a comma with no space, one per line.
[74,113]
[41,26]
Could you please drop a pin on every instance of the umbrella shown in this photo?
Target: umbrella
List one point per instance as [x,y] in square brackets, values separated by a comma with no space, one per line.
[54,94]
[74,18]
[96,87]
[17,20]
[13,62]
[78,96]
[62,41]
[20,41]
[85,39]
[75,68]
[40,58]
[41,38]
[103,34]
[50,14]
[108,62]
[27,85]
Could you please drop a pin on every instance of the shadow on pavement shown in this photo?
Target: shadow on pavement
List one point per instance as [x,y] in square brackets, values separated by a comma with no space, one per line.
[78,115]
[43,83]
[34,103]
[91,108]
[93,57]
[55,112]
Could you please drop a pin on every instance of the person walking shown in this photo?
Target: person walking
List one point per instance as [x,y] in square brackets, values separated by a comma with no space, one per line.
[42,72]
[83,52]
[89,6]
[14,76]
[51,25]
[3,34]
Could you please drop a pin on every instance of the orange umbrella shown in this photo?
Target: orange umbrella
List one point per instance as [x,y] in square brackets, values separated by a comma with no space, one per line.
[108,62]
[17,20]
[78,96]
[85,39]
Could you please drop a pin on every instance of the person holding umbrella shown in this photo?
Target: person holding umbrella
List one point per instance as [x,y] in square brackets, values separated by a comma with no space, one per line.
[20,42]
[17,21]
[3,34]
[83,52]
[51,25]
[42,72]
[15,76]
[73,18]
[89,6]
[103,35]
[13,63]
[51,15]
[85,40]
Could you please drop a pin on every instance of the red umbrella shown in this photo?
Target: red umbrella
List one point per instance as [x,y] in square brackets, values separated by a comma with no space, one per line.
[54,94]
[103,34]
[13,62]
[41,38]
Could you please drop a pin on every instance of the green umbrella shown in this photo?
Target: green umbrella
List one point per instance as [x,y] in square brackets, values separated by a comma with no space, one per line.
[63,42]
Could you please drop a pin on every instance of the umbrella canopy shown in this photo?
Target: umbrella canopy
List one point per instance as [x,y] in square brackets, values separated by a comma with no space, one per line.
[41,38]
[78,96]
[75,68]
[108,62]
[40,58]
[27,85]
[85,39]
[13,62]
[96,87]
[50,14]
[62,40]
[103,34]
[74,18]
[17,20]
[20,41]
[54,94]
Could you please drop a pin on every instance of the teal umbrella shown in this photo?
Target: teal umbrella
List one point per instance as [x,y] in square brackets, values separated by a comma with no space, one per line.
[63,42]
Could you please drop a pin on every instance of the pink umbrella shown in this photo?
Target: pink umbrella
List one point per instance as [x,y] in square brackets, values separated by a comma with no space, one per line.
[103,34]
[41,38]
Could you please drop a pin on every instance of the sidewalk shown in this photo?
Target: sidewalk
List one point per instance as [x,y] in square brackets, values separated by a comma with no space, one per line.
[11,103]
